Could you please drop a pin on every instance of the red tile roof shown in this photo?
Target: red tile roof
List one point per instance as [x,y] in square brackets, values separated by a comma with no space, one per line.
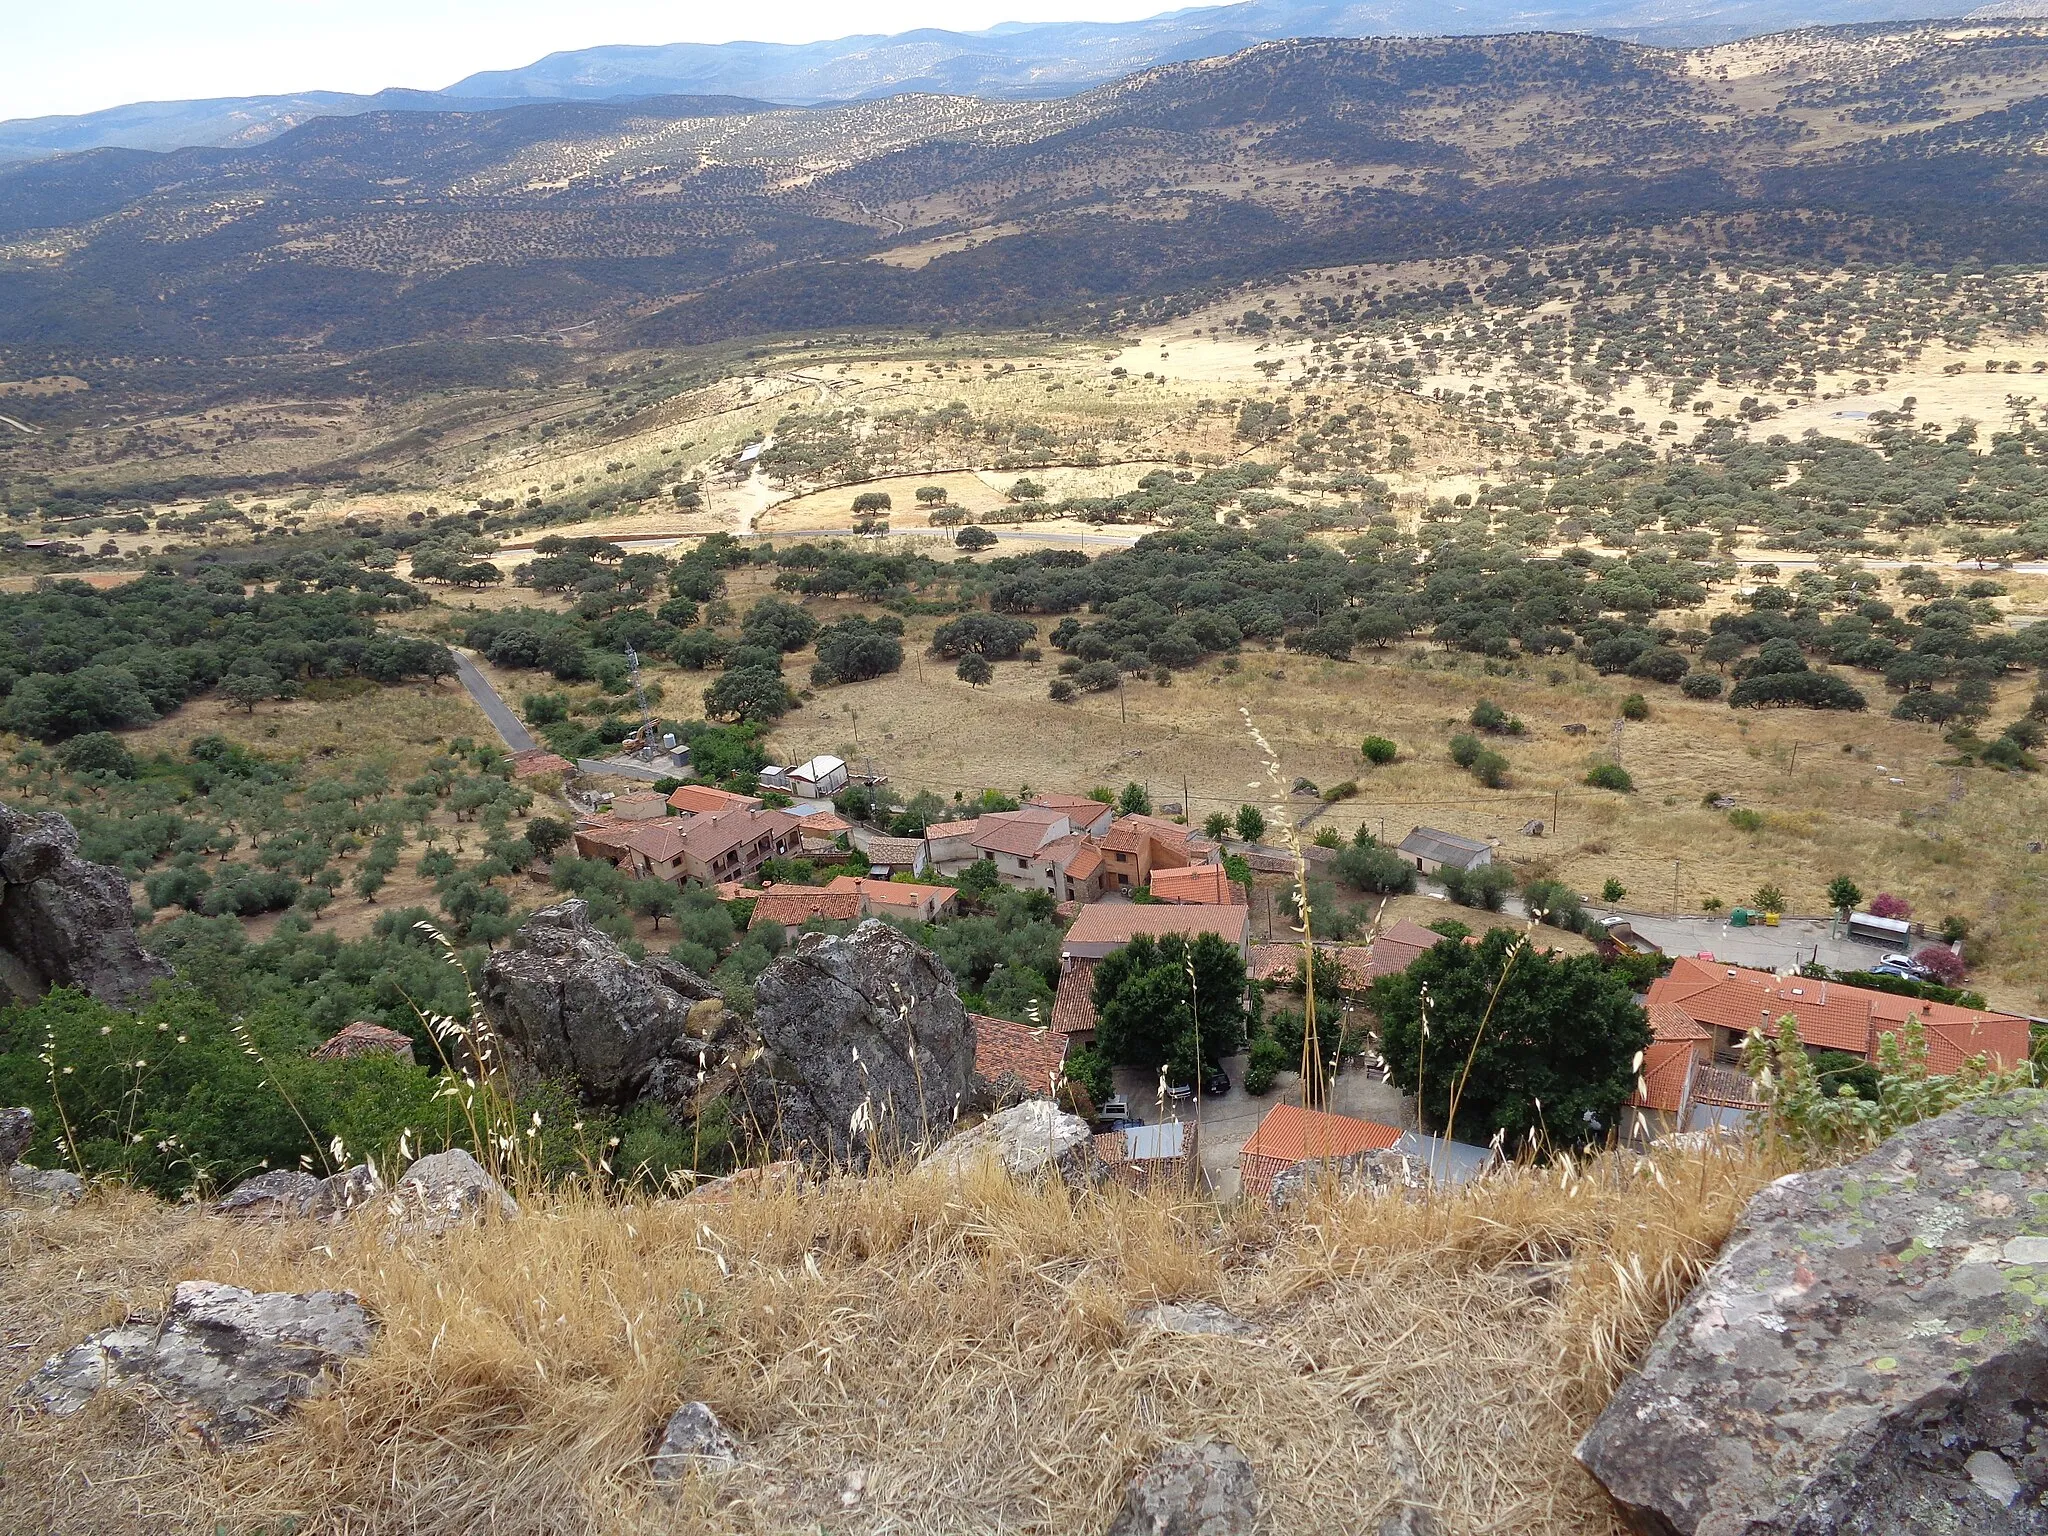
[1196,884]
[660,842]
[1666,1064]
[953,828]
[1120,922]
[1831,1015]
[894,850]
[1073,1003]
[1018,833]
[703,799]
[792,908]
[1034,1057]
[893,893]
[1290,1134]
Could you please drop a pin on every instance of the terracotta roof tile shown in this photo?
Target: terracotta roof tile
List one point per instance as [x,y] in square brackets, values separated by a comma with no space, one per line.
[895,850]
[1034,1056]
[792,908]
[1073,1003]
[1290,1134]
[703,799]
[1666,1064]
[1120,922]
[1198,884]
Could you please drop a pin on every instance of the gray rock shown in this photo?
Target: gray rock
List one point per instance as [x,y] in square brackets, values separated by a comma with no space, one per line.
[349,1190]
[17,1130]
[1866,1357]
[65,922]
[1203,1489]
[1190,1318]
[865,1048]
[1412,1514]
[279,1193]
[1032,1139]
[694,1441]
[448,1189]
[232,1361]
[568,1004]
[57,1185]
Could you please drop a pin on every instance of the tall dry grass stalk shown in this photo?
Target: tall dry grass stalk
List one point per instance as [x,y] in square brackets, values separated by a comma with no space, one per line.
[966,1348]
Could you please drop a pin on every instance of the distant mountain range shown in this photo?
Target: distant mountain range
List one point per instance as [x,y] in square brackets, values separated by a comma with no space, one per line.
[1011,60]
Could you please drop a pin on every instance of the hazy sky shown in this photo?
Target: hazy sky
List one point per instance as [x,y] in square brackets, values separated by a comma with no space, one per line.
[60,56]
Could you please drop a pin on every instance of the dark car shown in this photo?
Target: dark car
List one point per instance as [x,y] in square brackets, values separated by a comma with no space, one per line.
[1216,1084]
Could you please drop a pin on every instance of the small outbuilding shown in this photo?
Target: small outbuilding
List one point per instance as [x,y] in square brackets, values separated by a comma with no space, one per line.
[1430,850]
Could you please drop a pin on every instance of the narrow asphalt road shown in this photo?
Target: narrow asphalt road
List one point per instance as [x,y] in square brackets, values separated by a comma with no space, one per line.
[515,735]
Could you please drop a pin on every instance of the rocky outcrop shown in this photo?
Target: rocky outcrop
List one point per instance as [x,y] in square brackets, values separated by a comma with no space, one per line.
[17,1130]
[284,1193]
[59,1186]
[1205,1489]
[865,1048]
[449,1189]
[231,1361]
[568,1004]
[1029,1140]
[1866,1357]
[65,922]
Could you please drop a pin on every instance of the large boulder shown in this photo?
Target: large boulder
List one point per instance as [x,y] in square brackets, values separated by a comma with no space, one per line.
[231,1361]
[65,922]
[1868,1356]
[567,1003]
[865,1048]
[1032,1139]
[449,1189]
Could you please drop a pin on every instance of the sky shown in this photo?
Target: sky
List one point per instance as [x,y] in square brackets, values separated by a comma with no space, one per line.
[67,56]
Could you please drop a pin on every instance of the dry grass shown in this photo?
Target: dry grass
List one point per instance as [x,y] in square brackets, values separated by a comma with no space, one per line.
[962,1351]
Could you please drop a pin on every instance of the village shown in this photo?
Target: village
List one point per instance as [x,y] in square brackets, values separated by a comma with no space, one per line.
[1113,874]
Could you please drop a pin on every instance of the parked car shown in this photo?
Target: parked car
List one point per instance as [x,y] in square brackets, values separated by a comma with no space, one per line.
[1906,963]
[1886,968]
[1216,1084]
[1180,1093]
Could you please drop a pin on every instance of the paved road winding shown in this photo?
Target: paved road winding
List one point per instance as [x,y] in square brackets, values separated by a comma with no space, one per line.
[510,730]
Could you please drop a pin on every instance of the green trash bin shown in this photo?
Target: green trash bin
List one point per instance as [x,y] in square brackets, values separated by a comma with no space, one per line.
[1739,918]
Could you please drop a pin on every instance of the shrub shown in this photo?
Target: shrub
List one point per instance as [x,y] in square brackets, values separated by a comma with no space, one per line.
[1945,965]
[1635,707]
[1489,716]
[1743,819]
[1612,890]
[1378,750]
[544,708]
[1345,791]
[1485,887]
[1555,903]
[1060,691]
[1465,750]
[1700,685]
[1490,769]
[98,752]
[973,539]
[1885,904]
[974,670]
[1268,1059]
[1250,823]
[1610,776]
[1769,898]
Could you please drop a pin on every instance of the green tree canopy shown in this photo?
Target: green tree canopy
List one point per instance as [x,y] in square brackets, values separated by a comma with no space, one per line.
[1146,1005]
[1556,1040]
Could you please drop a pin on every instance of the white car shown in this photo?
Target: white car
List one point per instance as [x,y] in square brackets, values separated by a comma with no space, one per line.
[1906,963]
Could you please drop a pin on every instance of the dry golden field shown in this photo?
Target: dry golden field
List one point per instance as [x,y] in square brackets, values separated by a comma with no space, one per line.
[898,1354]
